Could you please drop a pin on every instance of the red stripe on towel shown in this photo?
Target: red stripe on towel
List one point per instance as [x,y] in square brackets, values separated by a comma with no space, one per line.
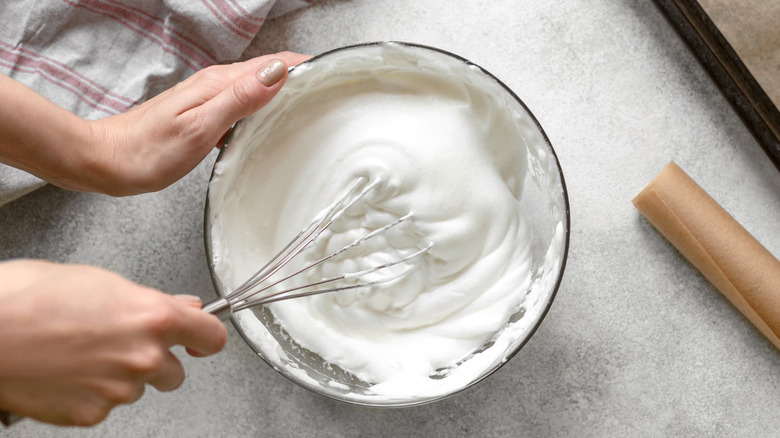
[88,91]
[156,30]
[231,19]
[238,16]
[244,13]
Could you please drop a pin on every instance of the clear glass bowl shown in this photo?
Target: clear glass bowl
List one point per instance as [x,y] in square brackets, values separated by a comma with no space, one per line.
[545,201]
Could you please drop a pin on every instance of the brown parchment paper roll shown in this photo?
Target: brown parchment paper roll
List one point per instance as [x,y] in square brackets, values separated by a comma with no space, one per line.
[717,245]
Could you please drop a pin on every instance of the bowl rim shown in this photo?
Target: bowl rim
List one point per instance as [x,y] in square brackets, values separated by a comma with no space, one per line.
[542,315]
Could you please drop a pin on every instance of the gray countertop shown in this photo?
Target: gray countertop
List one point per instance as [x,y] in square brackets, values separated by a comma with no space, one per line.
[637,343]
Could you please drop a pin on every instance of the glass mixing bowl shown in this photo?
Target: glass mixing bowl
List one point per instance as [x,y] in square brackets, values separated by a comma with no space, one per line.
[544,199]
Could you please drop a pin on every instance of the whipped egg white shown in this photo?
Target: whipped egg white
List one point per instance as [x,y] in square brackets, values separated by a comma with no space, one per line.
[436,139]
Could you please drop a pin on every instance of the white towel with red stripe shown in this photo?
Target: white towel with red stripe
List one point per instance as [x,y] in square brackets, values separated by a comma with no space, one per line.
[100,57]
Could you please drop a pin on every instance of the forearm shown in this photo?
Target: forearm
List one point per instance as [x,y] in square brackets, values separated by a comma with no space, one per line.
[40,137]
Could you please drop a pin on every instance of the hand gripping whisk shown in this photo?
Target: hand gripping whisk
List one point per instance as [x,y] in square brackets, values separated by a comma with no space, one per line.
[259,288]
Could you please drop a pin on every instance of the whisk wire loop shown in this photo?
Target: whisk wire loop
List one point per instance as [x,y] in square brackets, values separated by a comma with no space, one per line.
[251,292]
[326,258]
[301,241]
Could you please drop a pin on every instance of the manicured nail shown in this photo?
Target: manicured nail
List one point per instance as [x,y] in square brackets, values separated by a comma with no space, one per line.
[272,72]
[188,298]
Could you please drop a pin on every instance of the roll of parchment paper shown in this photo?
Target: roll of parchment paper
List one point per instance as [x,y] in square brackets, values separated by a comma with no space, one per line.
[717,245]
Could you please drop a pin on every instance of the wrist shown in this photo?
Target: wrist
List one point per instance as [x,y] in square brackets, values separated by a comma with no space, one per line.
[44,139]
[73,161]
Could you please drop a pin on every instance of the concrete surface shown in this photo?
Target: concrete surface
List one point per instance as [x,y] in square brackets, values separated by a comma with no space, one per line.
[636,344]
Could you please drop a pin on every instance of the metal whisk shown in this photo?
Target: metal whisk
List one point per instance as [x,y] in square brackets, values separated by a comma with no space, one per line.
[257,290]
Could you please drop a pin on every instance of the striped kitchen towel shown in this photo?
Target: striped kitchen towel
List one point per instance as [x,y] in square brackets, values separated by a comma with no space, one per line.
[100,57]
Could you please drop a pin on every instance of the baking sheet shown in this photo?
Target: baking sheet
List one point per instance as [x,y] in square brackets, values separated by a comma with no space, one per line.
[752,29]
[738,41]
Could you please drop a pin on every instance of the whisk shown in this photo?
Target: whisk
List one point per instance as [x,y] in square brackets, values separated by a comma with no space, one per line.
[259,288]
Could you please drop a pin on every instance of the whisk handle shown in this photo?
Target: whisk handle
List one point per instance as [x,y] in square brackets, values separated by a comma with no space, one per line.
[220,308]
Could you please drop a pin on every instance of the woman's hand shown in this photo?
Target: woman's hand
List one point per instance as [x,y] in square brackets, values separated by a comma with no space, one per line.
[155,144]
[145,149]
[78,340]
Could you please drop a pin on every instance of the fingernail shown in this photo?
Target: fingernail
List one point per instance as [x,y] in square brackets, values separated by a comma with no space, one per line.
[188,298]
[272,72]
